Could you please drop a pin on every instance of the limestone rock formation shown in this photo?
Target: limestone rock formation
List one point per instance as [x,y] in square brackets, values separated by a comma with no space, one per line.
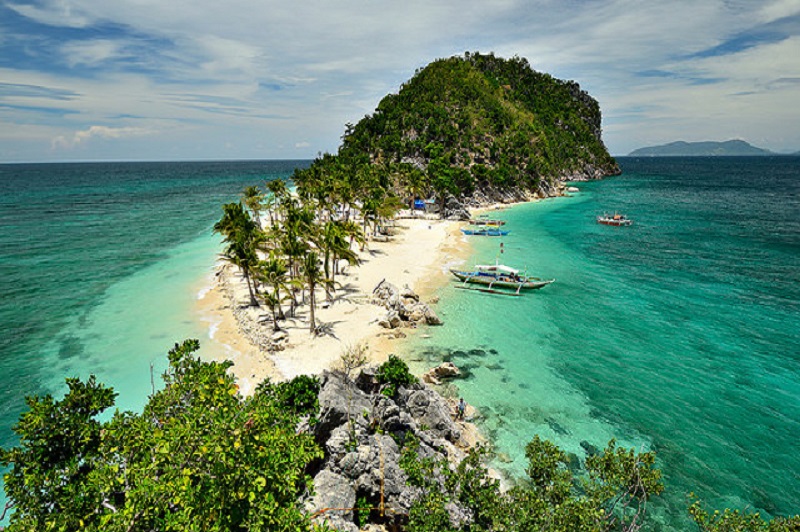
[404,309]
[443,371]
[362,432]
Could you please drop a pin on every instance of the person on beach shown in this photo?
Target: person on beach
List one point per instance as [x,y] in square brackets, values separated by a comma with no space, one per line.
[462,407]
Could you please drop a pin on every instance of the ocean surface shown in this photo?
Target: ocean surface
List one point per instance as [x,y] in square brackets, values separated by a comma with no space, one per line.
[678,334]
[101,266]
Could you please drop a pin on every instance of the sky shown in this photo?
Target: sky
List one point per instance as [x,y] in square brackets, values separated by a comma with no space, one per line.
[93,80]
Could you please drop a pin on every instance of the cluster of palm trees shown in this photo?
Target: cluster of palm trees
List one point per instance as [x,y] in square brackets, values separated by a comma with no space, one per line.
[288,245]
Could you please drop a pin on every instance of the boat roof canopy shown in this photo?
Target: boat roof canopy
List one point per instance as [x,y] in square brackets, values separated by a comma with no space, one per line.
[497,267]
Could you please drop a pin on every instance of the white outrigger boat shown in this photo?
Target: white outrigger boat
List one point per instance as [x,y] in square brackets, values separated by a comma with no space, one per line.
[499,276]
[618,220]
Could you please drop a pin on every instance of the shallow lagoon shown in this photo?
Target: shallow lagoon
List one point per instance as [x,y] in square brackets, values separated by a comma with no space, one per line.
[676,334]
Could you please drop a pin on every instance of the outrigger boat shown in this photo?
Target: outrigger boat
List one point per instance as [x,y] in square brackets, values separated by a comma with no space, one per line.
[499,276]
[485,231]
[615,219]
[487,221]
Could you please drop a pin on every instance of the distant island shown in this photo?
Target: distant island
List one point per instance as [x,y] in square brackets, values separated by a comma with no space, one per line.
[700,149]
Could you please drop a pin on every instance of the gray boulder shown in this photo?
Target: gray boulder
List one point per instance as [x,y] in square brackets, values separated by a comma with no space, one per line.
[340,400]
[431,318]
[431,411]
[408,293]
[380,458]
[445,370]
[333,491]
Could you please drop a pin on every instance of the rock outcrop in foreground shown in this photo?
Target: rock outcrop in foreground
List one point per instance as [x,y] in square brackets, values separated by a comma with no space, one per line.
[362,432]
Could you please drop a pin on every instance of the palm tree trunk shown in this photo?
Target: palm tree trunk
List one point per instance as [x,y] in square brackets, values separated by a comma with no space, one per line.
[253,301]
[312,320]
[274,319]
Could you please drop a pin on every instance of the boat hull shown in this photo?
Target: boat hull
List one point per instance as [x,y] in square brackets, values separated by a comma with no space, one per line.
[498,281]
[484,232]
[479,221]
[617,220]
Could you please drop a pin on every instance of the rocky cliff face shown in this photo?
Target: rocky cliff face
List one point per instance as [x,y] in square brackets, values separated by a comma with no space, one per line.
[362,431]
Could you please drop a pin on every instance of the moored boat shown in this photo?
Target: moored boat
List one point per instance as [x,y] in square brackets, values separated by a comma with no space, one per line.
[614,219]
[487,221]
[485,231]
[500,276]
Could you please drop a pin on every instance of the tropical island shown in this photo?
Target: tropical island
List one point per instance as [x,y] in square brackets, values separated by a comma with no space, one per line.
[360,442]
[728,148]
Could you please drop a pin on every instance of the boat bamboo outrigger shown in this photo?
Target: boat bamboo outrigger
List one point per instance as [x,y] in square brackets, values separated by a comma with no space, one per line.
[485,231]
[499,276]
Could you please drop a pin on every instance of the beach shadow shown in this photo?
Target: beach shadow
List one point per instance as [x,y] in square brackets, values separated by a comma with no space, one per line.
[345,290]
[326,329]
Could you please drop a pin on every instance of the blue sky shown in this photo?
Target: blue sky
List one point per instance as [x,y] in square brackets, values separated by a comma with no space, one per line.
[235,79]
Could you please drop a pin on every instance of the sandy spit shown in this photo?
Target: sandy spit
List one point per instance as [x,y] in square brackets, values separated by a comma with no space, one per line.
[418,255]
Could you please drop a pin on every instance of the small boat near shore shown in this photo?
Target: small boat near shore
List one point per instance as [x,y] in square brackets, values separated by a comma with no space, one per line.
[485,231]
[618,220]
[487,221]
[499,276]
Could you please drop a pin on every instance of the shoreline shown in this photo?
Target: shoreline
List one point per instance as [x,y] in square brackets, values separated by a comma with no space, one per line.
[417,256]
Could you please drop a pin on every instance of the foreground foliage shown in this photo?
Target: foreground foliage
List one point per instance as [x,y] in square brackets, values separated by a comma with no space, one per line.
[202,457]
[737,521]
[199,457]
[612,497]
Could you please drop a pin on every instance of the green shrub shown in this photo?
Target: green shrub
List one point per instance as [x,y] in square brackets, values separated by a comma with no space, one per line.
[300,395]
[393,373]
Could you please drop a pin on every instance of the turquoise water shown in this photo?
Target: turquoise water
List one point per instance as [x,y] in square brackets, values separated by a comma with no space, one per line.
[678,334]
[100,270]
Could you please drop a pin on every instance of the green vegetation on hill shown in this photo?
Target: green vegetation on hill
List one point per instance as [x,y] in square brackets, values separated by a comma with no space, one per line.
[476,122]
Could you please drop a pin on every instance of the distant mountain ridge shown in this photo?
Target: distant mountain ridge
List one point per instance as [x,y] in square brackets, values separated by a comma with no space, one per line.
[700,149]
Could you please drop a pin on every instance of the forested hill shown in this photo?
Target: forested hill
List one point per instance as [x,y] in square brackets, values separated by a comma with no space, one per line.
[478,122]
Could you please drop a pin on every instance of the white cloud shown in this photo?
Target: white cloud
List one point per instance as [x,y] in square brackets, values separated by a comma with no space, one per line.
[254,75]
[53,13]
[104,132]
[91,53]
[779,9]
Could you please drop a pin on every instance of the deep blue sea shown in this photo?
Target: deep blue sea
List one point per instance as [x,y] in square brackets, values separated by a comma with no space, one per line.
[101,265]
[678,334]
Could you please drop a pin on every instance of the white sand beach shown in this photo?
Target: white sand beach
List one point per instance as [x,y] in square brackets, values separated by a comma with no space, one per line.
[418,256]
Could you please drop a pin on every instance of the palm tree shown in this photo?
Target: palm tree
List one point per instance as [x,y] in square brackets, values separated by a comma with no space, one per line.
[415,185]
[243,237]
[252,197]
[272,273]
[277,192]
[234,220]
[353,232]
[313,277]
[333,242]
[242,254]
